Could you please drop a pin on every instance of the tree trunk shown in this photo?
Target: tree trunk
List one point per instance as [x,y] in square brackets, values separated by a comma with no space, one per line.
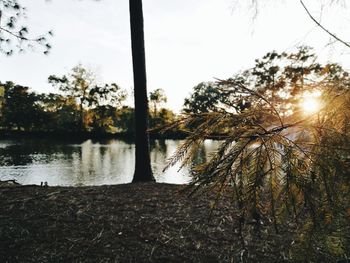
[143,170]
[81,120]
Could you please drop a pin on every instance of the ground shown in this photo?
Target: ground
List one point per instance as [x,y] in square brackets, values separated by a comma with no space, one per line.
[142,222]
[145,222]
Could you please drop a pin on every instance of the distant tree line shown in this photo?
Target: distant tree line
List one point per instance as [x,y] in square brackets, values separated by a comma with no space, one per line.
[81,106]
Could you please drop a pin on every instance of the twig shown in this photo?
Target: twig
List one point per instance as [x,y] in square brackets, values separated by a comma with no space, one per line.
[322,27]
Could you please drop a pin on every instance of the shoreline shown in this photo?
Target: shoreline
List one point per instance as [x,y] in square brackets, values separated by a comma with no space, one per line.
[179,135]
[83,135]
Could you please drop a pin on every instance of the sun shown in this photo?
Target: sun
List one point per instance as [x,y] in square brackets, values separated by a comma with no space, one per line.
[310,102]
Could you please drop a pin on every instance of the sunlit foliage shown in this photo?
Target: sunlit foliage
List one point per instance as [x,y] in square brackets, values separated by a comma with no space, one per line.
[287,171]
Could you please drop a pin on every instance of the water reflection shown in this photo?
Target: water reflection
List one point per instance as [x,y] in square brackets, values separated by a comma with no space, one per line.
[88,163]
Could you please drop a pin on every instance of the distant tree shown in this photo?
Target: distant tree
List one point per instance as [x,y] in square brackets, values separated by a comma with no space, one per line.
[68,118]
[214,96]
[103,118]
[143,170]
[160,116]
[14,36]
[106,100]
[157,97]
[19,110]
[81,85]
[125,120]
[163,118]
[62,112]
[206,97]
[76,85]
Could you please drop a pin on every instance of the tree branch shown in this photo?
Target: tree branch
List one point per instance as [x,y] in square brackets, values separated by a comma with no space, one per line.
[15,35]
[322,27]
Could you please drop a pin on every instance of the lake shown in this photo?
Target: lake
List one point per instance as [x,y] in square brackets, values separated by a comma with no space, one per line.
[90,162]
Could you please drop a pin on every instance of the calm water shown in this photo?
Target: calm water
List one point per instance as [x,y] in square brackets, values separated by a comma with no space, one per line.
[32,161]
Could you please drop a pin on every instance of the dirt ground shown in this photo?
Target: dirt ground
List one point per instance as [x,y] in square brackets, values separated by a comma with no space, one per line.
[144,222]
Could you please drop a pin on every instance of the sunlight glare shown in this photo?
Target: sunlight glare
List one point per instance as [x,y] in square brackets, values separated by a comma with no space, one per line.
[310,102]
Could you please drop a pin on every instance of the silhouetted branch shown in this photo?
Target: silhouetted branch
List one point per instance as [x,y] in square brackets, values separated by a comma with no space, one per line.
[16,35]
[322,27]
[11,12]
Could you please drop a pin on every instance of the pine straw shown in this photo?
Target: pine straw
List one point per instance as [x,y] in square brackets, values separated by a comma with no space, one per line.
[145,222]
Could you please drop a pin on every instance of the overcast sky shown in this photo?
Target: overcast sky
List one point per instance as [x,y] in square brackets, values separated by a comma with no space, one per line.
[187,41]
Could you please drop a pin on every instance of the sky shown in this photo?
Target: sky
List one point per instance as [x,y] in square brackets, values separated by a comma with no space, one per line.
[187,41]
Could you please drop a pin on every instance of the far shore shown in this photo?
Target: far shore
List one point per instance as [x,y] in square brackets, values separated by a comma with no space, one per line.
[64,135]
[18,134]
